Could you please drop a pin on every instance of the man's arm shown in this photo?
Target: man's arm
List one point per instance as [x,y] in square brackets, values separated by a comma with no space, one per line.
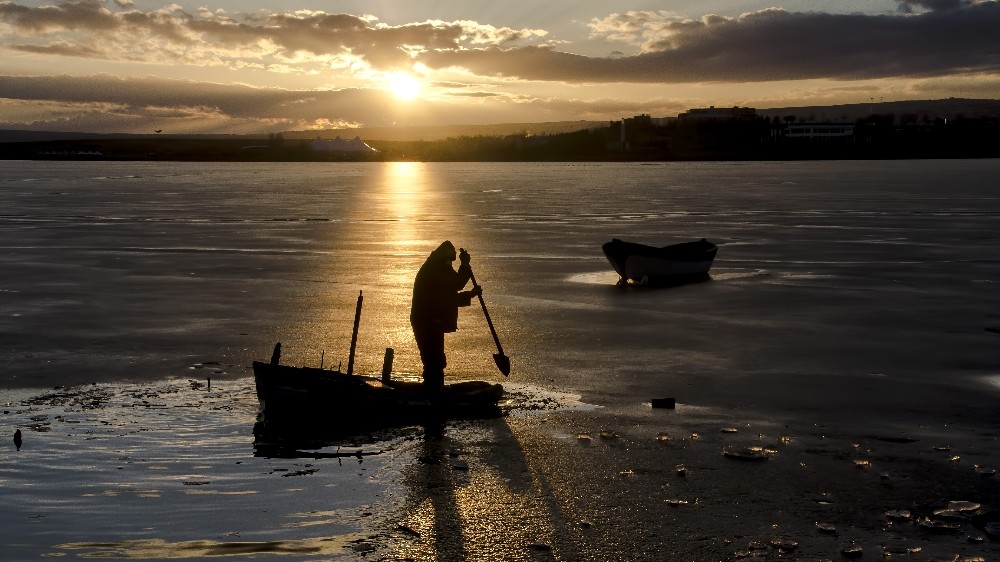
[465,297]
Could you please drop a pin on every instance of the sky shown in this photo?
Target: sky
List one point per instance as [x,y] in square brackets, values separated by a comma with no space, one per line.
[262,66]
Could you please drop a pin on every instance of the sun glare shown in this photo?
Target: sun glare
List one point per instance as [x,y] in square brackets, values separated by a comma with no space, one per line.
[404,86]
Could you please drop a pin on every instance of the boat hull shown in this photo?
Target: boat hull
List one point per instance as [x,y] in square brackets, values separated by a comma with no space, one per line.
[332,399]
[649,265]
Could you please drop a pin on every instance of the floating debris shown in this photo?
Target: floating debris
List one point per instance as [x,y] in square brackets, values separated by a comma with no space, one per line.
[729,430]
[608,434]
[992,529]
[975,539]
[747,454]
[695,436]
[824,498]
[627,473]
[955,458]
[663,403]
[862,463]
[883,475]
[828,528]
[663,437]
[540,547]
[852,551]
[943,448]
[936,526]
[950,515]
[674,502]
[459,464]
[984,471]
[784,545]
[584,438]
[785,439]
[963,506]
[680,470]
[899,514]
[408,531]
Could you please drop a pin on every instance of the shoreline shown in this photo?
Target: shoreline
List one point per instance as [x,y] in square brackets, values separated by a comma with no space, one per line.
[555,480]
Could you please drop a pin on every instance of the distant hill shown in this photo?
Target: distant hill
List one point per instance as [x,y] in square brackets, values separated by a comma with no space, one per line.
[426,133]
[441,132]
[932,109]
[946,109]
[16,135]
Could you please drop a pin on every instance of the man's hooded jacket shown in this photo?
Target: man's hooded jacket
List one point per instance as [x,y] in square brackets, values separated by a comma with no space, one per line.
[436,296]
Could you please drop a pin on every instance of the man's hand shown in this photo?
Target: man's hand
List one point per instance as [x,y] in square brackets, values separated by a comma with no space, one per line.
[464,256]
[477,291]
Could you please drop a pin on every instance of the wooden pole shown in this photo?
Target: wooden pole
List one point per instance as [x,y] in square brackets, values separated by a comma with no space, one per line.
[387,364]
[354,336]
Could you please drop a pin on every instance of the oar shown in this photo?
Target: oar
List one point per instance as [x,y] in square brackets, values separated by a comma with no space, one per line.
[502,361]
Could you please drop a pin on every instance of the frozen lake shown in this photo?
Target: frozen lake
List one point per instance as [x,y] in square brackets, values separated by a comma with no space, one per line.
[852,294]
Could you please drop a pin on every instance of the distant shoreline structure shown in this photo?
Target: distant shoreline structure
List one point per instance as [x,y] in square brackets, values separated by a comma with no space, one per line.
[951,128]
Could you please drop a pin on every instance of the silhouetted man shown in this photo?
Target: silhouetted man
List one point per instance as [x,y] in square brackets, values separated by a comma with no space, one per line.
[434,310]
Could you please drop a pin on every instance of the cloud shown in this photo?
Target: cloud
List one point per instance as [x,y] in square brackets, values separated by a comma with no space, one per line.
[910,6]
[103,103]
[762,46]
[946,36]
[88,28]
[158,100]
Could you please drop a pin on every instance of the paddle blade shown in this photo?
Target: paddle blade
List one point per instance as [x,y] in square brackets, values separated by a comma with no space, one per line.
[503,363]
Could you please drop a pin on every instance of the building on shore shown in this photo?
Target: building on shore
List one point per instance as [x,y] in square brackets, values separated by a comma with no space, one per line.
[819,131]
[713,113]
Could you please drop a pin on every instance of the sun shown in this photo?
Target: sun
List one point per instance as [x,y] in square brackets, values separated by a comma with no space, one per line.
[404,86]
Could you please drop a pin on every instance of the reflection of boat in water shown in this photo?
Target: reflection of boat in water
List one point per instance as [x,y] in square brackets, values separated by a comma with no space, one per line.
[666,265]
[332,400]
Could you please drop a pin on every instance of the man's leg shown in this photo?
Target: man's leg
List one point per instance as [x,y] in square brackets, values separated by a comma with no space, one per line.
[431,346]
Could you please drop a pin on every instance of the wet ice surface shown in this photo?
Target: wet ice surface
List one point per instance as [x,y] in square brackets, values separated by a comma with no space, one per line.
[815,490]
[847,302]
[172,470]
[168,471]
[138,270]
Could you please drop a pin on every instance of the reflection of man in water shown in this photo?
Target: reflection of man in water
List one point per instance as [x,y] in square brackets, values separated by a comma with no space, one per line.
[434,310]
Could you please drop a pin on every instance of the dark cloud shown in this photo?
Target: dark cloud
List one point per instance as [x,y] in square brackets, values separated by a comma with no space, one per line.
[156,97]
[947,36]
[73,15]
[104,103]
[766,46]
[61,48]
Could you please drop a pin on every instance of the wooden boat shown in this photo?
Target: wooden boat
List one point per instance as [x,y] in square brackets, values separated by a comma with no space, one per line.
[331,401]
[652,265]
[335,399]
